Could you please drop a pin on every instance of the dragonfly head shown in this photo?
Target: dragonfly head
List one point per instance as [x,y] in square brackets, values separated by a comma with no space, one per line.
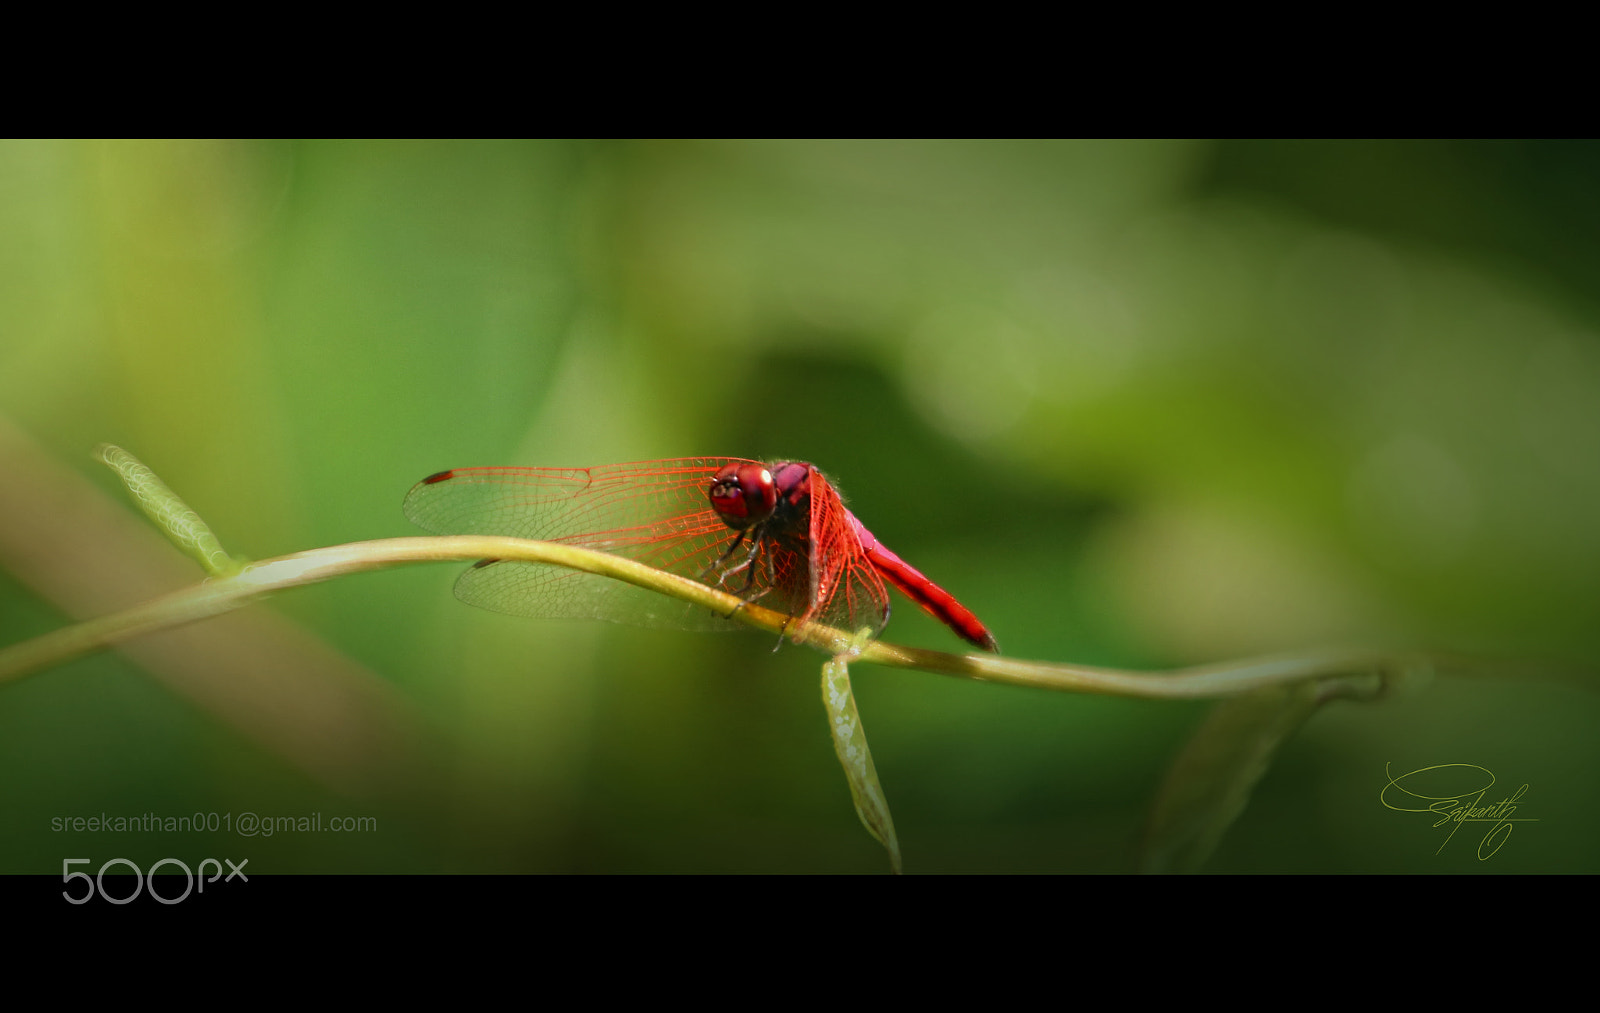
[743,495]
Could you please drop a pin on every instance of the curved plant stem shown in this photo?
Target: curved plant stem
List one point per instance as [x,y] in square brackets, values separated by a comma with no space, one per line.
[222,594]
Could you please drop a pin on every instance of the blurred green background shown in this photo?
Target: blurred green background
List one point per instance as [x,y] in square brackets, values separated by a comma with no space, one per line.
[1136,404]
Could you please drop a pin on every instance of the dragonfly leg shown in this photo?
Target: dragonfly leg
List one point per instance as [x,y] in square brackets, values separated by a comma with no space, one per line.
[745,565]
[749,566]
[722,580]
[745,593]
[750,575]
[782,631]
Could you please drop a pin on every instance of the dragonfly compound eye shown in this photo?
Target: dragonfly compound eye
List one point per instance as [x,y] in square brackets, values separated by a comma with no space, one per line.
[743,495]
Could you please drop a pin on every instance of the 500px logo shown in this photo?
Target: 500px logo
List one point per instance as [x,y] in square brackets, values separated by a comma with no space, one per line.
[98,883]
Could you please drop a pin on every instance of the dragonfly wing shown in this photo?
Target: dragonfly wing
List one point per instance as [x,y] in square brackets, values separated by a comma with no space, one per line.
[655,512]
[555,592]
[846,588]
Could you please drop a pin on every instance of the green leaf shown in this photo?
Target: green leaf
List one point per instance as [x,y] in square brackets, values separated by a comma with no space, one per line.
[1210,783]
[171,514]
[850,743]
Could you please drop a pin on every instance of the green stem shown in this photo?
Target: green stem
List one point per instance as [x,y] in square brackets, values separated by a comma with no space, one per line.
[222,594]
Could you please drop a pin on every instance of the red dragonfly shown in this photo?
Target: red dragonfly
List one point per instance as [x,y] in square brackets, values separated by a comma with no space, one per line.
[777,534]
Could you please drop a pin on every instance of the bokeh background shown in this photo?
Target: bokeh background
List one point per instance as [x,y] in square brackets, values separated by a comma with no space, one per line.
[1137,404]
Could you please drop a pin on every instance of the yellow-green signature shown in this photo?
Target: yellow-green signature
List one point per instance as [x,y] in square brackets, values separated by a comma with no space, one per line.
[1462,787]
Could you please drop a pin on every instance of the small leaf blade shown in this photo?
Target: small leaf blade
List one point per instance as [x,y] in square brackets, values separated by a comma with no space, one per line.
[850,744]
